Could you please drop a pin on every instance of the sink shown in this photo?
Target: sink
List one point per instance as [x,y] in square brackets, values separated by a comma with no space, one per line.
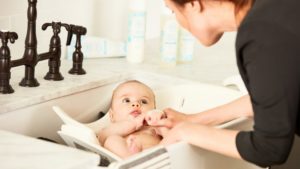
[39,120]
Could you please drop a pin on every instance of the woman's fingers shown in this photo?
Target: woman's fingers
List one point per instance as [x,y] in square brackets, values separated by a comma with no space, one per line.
[164,123]
[174,116]
[171,137]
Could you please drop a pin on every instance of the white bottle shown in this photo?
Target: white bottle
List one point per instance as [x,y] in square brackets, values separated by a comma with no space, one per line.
[97,47]
[186,43]
[169,38]
[136,31]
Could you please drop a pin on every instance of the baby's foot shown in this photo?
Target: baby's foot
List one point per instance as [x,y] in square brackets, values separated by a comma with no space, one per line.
[133,145]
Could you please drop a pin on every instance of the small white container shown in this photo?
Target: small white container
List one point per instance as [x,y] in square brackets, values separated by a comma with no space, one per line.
[136,31]
[169,38]
[186,45]
[98,47]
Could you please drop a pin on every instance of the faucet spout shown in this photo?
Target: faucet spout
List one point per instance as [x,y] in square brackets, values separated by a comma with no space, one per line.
[30,57]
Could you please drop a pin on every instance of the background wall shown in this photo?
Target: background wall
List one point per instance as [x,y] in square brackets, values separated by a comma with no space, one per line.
[102,18]
[13,17]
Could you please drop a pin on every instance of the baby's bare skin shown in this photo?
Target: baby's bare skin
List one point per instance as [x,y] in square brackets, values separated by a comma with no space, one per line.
[145,138]
[131,113]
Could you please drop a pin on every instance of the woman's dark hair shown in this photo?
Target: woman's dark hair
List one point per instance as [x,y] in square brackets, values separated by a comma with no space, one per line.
[238,3]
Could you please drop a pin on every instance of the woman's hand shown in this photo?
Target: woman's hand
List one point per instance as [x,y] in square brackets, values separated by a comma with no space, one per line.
[175,134]
[173,118]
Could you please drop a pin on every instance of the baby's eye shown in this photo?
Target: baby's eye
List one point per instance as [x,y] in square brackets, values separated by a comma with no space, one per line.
[126,100]
[144,101]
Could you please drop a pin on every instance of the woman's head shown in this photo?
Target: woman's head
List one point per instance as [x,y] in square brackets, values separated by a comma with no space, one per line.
[131,99]
[238,3]
[207,20]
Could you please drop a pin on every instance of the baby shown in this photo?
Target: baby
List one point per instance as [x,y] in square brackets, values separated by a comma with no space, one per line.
[132,111]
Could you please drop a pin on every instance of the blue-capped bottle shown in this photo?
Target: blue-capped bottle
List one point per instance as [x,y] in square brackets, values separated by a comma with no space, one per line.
[169,38]
[136,31]
[186,45]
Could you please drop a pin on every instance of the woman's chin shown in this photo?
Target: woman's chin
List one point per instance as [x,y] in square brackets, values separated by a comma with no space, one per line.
[211,40]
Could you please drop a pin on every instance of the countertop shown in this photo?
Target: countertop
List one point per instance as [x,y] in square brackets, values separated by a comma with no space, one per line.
[22,152]
[100,71]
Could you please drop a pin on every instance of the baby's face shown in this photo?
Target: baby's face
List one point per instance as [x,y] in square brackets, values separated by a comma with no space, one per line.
[131,100]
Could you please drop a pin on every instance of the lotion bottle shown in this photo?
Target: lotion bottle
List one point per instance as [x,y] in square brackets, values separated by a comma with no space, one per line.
[186,43]
[136,31]
[169,38]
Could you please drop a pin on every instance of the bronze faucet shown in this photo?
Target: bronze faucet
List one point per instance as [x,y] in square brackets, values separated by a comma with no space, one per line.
[31,57]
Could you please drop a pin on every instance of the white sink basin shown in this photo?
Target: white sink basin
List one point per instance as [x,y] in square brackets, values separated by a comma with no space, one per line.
[187,96]
[39,120]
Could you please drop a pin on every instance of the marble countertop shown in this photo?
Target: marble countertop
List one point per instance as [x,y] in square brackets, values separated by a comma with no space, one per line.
[18,151]
[100,71]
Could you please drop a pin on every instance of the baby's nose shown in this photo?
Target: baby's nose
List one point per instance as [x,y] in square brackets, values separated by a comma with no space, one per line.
[135,104]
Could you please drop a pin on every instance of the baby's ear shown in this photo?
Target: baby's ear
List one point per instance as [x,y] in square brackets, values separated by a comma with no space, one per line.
[111,115]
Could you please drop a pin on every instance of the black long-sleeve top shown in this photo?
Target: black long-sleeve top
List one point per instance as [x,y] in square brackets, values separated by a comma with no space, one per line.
[268,57]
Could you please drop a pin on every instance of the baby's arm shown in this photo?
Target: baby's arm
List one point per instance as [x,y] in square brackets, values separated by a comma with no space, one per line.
[122,128]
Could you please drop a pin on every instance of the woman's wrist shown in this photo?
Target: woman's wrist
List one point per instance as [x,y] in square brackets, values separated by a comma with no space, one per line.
[191,118]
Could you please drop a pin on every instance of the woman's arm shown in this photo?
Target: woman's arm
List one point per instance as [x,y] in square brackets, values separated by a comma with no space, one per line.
[241,107]
[218,140]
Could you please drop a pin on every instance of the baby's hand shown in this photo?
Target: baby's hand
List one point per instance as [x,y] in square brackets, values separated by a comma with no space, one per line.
[153,116]
[139,121]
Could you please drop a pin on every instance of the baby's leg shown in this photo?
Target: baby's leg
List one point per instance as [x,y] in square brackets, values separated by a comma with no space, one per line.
[120,146]
[117,145]
[133,144]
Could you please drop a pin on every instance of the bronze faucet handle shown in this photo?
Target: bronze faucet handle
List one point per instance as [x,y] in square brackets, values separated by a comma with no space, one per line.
[78,30]
[56,26]
[75,29]
[6,35]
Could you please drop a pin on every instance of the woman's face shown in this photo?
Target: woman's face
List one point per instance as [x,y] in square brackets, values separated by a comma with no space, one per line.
[199,22]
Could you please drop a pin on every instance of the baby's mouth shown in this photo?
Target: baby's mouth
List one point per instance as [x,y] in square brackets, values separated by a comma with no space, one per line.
[135,113]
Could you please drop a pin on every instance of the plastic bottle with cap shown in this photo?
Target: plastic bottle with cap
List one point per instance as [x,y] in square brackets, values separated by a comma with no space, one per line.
[136,31]
[169,38]
[186,43]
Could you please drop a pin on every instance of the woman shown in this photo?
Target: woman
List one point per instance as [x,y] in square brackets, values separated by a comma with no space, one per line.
[268,58]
